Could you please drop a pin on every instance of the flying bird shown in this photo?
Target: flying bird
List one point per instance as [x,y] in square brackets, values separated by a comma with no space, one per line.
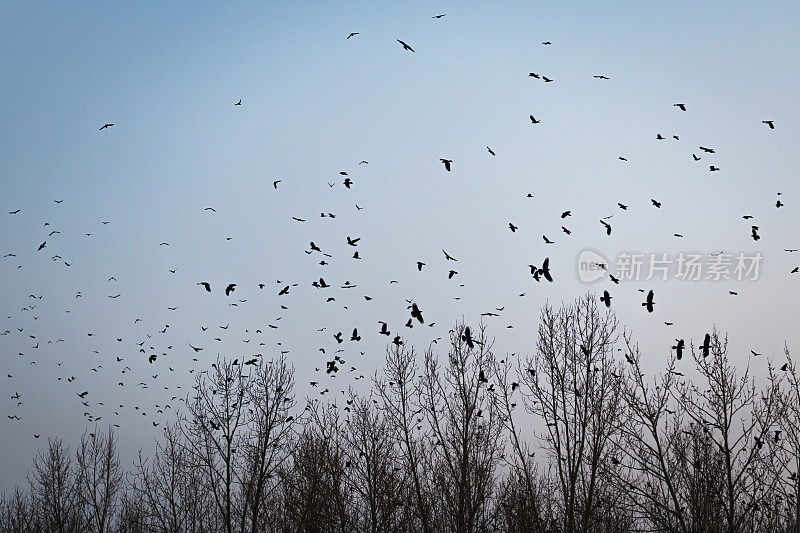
[105,126]
[405,46]
[769,123]
[352,34]
[706,346]
[446,163]
[679,348]
[533,120]
[490,150]
[416,313]
[206,284]
[229,289]
[648,303]
[606,299]
[239,102]
[682,107]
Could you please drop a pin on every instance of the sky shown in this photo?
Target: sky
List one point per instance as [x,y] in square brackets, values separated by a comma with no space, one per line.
[314,104]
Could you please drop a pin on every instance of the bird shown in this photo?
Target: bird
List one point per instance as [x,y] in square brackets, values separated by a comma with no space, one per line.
[194,348]
[512,227]
[446,162]
[659,137]
[622,206]
[451,273]
[439,16]
[42,245]
[682,107]
[416,313]
[275,184]
[648,303]
[707,150]
[466,336]
[420,264]
[566,214]
[106,126]
[546,240]
[355,336]
[696,158]
[545,270]
[534,121]
[353,34]
[534,75]
[449,257]
[712,168]
[769,123]
[347,182]
[656,203]
[239,102]
[706,346]
[206,284]
[600,77]
[607,225]
[546,43]
[353,242]
[606,298]
[229,289]
[14,212]
[405,46]
[490,150]
[679,348]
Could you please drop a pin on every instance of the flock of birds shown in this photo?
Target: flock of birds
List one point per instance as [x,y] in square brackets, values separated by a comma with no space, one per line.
[148,354]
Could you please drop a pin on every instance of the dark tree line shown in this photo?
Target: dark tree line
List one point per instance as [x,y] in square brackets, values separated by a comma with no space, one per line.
[445,442]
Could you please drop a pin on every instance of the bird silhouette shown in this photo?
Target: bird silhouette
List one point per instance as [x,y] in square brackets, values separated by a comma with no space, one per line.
[353,34]
[682,107]
[106,126]
[648,303]
[229,289]
[706,346]
[679,348]
[206,284]
[533,120]
[446,162]
[405,46]
[606,298]
[239,102]
[416,313]
[769,123]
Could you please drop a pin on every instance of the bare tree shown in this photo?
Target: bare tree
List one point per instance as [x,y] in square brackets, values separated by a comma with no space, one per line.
[573,383]
[399,394]
[99,478]
[465,431]
[736,416]
[211,431]
[787,442]
[373,458]
[16,513]
[54,492]
[166,491]
[269,400]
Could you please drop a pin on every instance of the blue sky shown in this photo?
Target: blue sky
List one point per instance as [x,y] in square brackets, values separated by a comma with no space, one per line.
[315,104]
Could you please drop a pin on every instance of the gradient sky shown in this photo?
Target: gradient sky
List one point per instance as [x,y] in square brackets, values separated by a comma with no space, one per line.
[315,104]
